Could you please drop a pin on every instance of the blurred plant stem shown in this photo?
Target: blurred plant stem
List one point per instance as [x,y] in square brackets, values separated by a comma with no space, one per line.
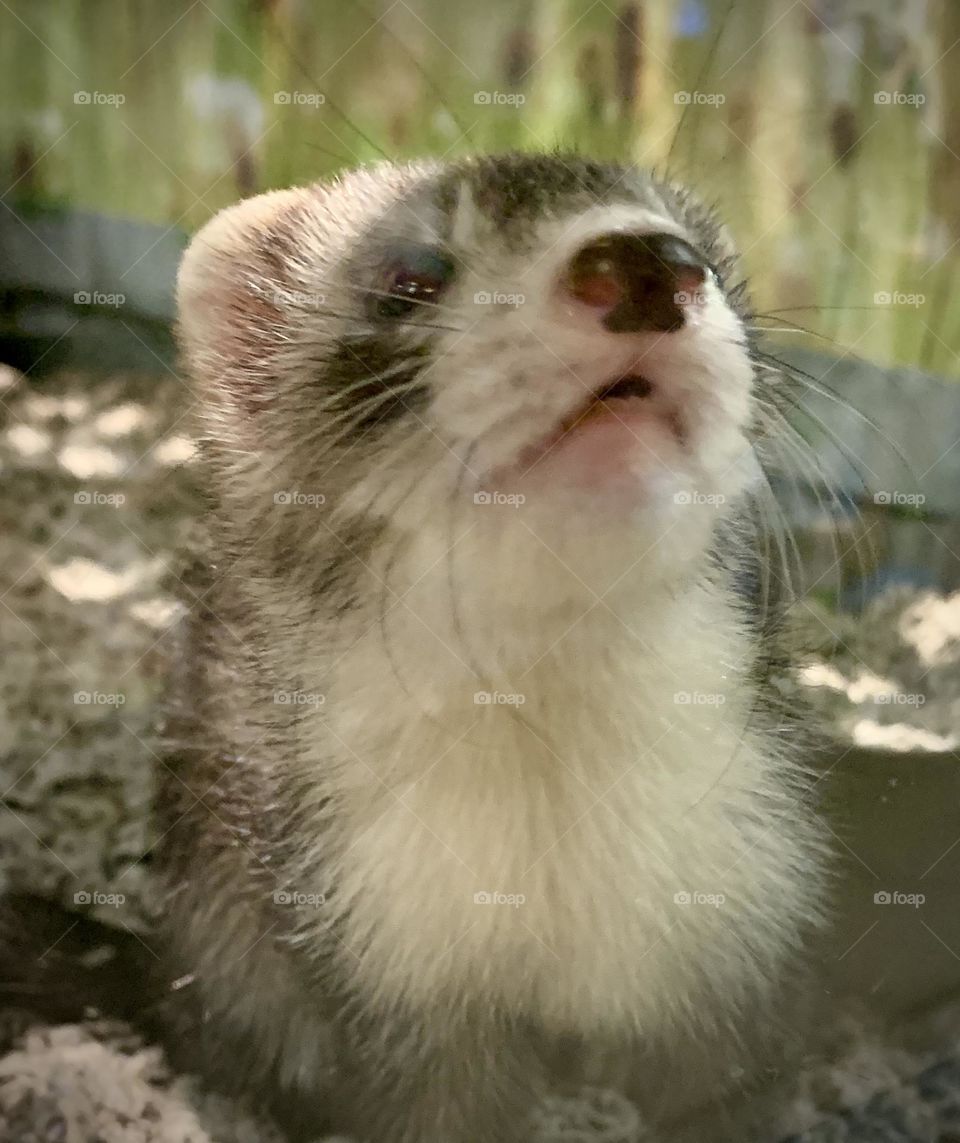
[828,135]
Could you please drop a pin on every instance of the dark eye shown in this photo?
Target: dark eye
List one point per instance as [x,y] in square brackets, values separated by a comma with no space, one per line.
[415,277]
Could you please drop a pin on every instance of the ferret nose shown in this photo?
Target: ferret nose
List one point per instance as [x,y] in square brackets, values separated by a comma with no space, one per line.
[640,282]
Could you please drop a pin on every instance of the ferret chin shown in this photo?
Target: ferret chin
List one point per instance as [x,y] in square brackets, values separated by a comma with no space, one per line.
[481,766]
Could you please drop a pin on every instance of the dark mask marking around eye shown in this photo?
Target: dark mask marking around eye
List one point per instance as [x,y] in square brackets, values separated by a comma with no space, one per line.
[353,379]
[414,277]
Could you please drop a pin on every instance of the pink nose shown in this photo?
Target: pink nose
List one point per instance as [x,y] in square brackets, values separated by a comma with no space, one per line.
[639,282]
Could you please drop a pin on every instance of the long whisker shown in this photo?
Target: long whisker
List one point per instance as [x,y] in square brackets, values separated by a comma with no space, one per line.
[704,72]
[415,60]
[793,328]
[364,335]
[432,307]
[776,527]
[786,437]
[308,289]
[305,72]
[403,542]
[814,309]
[349,419]
[343,160]
[334,401]
[805,463]
[453,503]
[815,385]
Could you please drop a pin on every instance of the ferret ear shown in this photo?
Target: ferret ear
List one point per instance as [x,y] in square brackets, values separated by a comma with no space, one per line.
[229,298]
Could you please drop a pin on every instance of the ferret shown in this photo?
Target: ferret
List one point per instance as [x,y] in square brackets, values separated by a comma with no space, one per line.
[480,770]
[477,774]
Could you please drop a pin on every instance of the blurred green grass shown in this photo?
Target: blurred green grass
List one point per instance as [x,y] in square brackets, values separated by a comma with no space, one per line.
[827,133]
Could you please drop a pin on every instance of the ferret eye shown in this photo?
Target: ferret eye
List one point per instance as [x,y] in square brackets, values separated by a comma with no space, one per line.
[416,277]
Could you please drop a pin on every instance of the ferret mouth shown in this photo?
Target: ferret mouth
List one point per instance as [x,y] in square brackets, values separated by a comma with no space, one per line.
[631,387]
[629,403]
[630,399]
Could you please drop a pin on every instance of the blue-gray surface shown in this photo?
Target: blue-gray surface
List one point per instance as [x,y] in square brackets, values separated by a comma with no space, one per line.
[926,1110]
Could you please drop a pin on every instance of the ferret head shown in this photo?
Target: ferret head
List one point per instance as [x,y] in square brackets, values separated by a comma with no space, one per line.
[539,361]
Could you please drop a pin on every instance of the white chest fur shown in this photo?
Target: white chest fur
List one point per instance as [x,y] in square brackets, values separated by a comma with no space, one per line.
[598,856]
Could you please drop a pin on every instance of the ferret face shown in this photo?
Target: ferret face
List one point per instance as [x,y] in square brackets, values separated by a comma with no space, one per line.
[521,344]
